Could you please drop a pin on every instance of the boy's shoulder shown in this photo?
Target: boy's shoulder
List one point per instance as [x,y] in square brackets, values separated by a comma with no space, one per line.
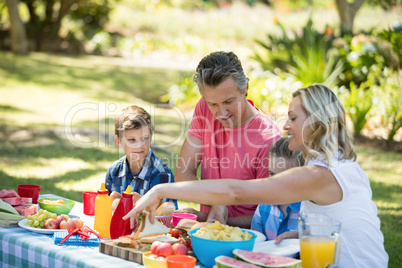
[158,164]
[117,165]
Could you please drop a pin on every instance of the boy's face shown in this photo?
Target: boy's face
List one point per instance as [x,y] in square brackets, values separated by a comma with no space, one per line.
[136,144]
[280,164]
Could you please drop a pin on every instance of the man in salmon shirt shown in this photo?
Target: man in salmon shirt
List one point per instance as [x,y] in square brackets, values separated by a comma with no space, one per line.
[228,136]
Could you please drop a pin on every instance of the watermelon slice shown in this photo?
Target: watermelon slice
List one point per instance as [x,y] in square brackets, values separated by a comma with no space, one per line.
[8,193]
[266,260]
[26,210]
[15,201]
[228,262]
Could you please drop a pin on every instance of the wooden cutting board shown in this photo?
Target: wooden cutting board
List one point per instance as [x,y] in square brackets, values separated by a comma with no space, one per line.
[130,254]
[8,223]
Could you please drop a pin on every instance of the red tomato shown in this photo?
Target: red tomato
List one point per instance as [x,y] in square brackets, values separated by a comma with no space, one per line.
[174,232]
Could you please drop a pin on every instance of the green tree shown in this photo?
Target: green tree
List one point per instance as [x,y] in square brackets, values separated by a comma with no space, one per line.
[46,18]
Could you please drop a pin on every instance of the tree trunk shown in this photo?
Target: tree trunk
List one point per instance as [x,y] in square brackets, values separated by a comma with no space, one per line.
[19,41]
[347,11]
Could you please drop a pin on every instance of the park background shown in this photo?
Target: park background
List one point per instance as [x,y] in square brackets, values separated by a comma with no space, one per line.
[67,67]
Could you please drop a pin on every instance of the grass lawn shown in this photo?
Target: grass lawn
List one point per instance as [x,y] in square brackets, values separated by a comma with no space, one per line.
[56,129]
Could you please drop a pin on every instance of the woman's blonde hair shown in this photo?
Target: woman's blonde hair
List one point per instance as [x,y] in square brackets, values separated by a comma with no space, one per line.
[327,123]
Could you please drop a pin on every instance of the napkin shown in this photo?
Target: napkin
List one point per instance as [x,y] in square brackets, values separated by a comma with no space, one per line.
[75,240]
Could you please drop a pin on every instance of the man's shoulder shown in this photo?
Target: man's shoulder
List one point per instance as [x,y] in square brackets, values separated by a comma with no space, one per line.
[201,108]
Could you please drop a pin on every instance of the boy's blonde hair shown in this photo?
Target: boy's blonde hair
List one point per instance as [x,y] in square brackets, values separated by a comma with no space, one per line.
[132,117]
[327,123]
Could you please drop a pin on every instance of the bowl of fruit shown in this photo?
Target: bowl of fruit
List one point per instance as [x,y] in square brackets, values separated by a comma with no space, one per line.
[56,205]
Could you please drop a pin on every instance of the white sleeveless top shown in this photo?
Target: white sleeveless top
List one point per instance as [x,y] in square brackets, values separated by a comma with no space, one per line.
[362,242]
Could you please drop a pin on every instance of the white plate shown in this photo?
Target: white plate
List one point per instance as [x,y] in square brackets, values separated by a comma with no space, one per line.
[260,236]
[287,248]
[23,224]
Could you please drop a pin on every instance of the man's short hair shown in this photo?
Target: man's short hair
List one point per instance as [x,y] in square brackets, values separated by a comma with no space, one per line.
[216,67]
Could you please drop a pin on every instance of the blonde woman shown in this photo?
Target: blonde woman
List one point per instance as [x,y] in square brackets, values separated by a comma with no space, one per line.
[331,181]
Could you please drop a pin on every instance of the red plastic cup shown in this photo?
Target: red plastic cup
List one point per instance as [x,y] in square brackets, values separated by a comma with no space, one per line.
[89,202]
[176,217]
[29,190]
[180,261]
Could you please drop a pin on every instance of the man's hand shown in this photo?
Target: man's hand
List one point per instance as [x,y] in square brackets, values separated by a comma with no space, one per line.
[201,216]
[286,235]
[218,213]
[189,160]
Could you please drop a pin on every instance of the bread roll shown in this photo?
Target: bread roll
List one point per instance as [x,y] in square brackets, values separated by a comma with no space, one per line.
[186,224]
[200,224]
[165,209]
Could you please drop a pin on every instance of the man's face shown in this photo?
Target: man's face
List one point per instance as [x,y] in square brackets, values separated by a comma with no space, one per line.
[136,144]
[226,103]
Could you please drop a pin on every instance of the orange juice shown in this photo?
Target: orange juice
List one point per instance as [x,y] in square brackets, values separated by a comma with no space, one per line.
[317,251]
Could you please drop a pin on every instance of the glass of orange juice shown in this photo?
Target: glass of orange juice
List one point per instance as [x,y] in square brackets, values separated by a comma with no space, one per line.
[319,240]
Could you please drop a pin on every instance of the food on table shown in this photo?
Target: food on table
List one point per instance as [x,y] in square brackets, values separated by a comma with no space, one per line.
[199,225]
[56,205]
[152,260]
[126,241]
[186,224]
[115,203]
[27,209]
[174,232]
[165,209]
[48,220]
[146,229]
[54,202]
[15,201]
[51,224]
[22,205]
[265,259]
[218,231]
[136,197]
[164,249]
[7,212]
[8,193]
[71,223]
[228,262]
[161,238]
[179,249]
[38,219]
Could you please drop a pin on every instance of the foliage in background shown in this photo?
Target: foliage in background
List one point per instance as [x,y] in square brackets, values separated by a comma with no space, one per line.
[266,89]
[361,52]
[306,55]
[184,94]
[358,101]
[394,37]
[388,99]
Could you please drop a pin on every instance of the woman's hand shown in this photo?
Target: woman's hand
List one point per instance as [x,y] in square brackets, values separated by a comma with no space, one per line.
[286,235]
[150,202]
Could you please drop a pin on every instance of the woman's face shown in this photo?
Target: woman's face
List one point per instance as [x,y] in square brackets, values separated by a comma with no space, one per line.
[297,131]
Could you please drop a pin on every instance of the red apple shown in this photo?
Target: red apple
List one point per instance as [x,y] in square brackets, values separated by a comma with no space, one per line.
[51,224]
[154,245]
[60,218]
[179,249]
[67,224]
[164,249]
[77,223]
